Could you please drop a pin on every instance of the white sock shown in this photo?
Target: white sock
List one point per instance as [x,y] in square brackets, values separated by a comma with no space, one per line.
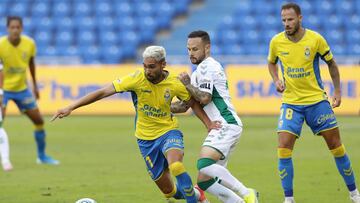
[354,193]
[224,194]
[4,147]
[228,180]
[290,199]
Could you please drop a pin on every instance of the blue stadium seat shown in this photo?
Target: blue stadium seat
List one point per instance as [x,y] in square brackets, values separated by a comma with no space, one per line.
[64,38]
[103,8]
[43,38]
[353,36]
[82,8]
[216,49]
[354,49]
[126,23]
[64,23]
[248,22]
[338,50]
[40,9]
[233,49]
[250,37]
[344,6]
[90,54]
[85,23]
[230,37]
[61,9]
[144,9]
[19,9]
[85,38]
[108,38]
[123,9]
[106,22]
[352,21]
[111,55]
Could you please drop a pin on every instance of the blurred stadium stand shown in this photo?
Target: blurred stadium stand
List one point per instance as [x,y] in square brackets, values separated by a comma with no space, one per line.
[115,31]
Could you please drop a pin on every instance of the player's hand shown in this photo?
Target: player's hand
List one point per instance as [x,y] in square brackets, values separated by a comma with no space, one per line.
[280,87]
[61,113]
[184,78]
[214,125]
[36,93]
[336,100]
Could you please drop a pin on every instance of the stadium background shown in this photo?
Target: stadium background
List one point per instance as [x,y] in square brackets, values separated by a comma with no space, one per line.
[85,44]
[76,38]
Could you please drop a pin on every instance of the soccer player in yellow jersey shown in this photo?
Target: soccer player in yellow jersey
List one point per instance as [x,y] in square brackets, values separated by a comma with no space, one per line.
[158,137]
[17,54]
[298,51]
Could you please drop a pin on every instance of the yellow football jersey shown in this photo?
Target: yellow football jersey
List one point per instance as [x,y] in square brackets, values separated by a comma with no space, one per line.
[300,66]
[15,62]
[152,102]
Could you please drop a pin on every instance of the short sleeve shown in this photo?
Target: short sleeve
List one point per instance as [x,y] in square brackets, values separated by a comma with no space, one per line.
[272,57]
[181,91]
[324,49]
[205,80]
[126,83]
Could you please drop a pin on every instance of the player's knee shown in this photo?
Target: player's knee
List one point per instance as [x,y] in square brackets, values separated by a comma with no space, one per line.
[339,151]
[169,192]
[177,168]
[284,153]
[204,162]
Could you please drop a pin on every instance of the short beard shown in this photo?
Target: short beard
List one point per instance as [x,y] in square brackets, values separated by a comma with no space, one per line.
[295,30]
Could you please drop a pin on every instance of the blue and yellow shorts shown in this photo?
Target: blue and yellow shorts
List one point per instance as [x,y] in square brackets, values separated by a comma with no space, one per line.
[24,100]
[319,117]
[154,151]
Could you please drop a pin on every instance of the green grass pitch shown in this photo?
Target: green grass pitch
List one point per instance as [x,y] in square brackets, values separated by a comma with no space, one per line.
[100,159]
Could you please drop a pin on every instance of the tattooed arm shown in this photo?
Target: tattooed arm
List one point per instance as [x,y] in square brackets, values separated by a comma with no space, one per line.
[179,107]
[200,96]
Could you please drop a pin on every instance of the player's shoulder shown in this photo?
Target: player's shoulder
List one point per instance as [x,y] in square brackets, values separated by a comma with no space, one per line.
[3,39]
[210,64]
[313,34]
[27,39]
[173,78]
[278,37]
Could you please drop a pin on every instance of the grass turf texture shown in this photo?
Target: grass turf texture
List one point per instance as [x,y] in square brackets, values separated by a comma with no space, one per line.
[100,159]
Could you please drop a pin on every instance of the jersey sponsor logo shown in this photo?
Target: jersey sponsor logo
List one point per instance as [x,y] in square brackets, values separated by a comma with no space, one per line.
[284,53]
[297,72]
[307,52]
[152,111]
[15,70]
[205,86]
[324,117]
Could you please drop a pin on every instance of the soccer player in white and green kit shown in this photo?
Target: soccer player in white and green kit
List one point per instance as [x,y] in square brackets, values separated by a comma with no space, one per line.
[209,86]
[298,51]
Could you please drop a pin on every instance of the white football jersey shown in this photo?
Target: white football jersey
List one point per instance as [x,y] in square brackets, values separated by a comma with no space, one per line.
[210,77]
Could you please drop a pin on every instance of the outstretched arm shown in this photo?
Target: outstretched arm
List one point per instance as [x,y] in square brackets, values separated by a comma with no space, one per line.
[88,99]
[335,76]
[200,96]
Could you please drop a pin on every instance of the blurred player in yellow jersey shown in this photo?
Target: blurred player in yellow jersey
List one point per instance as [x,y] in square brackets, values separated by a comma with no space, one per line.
[17,54]
[298,51]
[160,142]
